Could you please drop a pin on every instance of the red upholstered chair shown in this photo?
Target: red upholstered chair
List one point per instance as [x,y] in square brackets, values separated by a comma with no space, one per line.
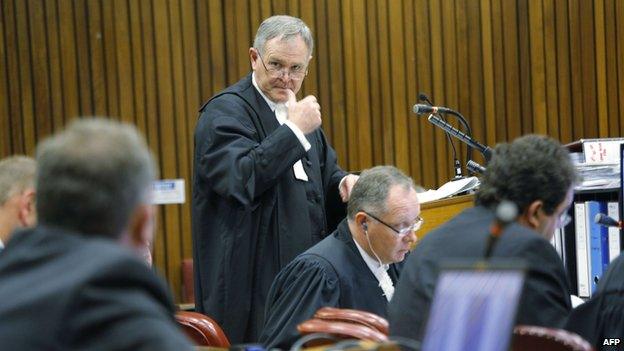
[201,329]
[346,324]
[533,338]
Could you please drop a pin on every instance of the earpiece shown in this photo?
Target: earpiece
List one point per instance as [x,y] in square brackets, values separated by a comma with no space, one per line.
[365,226]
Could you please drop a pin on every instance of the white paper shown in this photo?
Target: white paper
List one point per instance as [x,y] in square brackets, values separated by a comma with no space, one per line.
[449,189]
[168,191]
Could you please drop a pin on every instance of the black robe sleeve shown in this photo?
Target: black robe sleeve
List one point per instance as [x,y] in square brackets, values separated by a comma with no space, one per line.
[602,317]
[301,288]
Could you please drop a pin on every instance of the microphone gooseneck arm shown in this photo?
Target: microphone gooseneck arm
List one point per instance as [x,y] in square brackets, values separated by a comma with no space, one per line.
[486,151]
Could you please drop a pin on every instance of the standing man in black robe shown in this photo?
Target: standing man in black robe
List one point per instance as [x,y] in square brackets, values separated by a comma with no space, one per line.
[263,173]
[355,267]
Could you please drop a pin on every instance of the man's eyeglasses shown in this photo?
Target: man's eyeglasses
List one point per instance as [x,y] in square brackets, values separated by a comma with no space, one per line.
[400,232]
[276,70]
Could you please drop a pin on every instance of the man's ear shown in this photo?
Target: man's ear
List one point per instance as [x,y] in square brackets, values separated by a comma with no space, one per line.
[253,57]
[27,213]
[360,220]
[141,230]
[531,215]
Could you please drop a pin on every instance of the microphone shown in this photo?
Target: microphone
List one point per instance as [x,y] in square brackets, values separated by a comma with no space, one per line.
[486,151]
[606,221]
[506,212]
[456,163]
[421,109]
[474,167]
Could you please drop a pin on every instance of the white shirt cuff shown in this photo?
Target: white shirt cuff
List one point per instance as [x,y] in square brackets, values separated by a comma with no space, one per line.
[299,134]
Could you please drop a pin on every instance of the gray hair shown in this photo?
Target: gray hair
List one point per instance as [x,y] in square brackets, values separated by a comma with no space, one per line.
[17,173]
[371,191]
[92,176]
[286,27]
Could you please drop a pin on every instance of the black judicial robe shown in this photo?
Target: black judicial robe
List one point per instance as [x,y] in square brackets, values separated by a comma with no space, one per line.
[250,216]
[602,317]
[331,273]
[545,300]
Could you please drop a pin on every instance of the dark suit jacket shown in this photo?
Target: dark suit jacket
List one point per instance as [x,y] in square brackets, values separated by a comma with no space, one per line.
[545,300]
[602,317]
[63,291]
[250,215]
[331,273]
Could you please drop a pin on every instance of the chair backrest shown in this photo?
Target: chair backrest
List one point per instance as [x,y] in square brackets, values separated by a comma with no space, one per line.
[346,324]
[534,338]
[353,316]
[201,329]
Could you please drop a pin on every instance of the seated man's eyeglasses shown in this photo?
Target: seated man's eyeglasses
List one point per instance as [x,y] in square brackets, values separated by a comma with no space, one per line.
[277,70]
[400,232]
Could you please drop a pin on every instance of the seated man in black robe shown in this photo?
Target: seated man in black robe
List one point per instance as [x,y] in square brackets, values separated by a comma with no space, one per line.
[355,267]
[602,317]
[536,174]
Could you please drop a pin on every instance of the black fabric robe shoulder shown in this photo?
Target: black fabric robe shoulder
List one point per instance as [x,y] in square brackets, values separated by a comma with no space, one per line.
[602,317]
[250,215]
[331,273]
[545,300]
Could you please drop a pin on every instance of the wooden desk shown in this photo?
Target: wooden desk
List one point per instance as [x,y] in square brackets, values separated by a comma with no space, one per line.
[437,212]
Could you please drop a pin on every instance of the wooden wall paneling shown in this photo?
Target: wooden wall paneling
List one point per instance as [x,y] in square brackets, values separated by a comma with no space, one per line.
[526,102]
[374,97]
[513,110]
[537,67]
[138,69]
[71,101]
[411,92]
[426,138]
[13,74]
[475,110]
[168,147]
[123,49]
[42,123]
[230,38]
[564,94]
[310,83]
[488,72]
[265,10]
[336,68]
[550,66]
[320,63]
[348,42]
[56,114]
[381,148]
[179,124]
[363,125]
[400,106]
[385,83]
[588,69]
[110,58]
[619,10]
[278,7]
[218,59]
[601,68]
[5,110]
[152,110]
[204,52]
[444,162]
[244,38]
[611,68]
[85,92]
[575,69]
[191,103]
[463,67]
[499,74]
[25,68]
[97,59]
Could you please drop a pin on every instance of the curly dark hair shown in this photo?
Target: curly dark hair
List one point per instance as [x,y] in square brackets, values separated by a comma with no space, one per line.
[532,167]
